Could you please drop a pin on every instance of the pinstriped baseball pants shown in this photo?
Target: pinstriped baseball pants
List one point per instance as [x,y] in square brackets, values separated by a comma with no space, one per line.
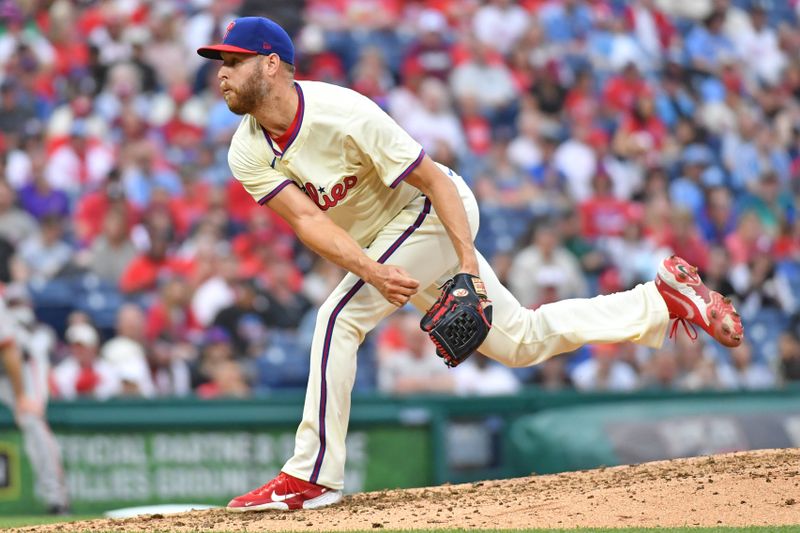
[417,241]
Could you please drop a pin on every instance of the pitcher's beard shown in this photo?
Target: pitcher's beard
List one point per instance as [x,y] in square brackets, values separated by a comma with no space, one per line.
[247,98]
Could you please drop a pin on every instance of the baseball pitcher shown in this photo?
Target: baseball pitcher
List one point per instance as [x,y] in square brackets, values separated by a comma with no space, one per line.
[359,191]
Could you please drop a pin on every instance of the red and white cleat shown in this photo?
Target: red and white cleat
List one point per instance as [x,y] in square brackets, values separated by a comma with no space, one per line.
[285,493]
[688,299]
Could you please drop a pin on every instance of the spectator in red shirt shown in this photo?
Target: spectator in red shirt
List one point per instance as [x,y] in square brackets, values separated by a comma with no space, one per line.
[684,239]
[431,51]
[581,103]
[227,381]
[238,202]
[313,61]
[521,69]
[193,203]
[371,77]
[622,90]
[477,128]
[179,132]
[404,98]
[92,209]
[787,245]
[145,271]
[391,338]
[171,315]
[178,213]
[70,48]
[642,134]
[82,373]
[640,18]
[263,230]
[748,241]
[602,214]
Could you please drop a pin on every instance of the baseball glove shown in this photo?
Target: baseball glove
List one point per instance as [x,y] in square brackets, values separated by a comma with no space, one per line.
[460,319]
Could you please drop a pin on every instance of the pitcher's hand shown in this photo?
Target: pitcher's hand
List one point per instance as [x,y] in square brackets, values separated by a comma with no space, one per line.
[394,283]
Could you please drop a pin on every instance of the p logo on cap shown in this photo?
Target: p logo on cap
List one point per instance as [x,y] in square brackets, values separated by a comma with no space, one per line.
[253,35]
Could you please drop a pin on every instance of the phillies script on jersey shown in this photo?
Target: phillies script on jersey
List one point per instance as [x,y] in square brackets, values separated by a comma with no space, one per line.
[338,192]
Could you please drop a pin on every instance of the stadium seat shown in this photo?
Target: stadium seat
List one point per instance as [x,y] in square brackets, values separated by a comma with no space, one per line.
[53,301]
[284,365]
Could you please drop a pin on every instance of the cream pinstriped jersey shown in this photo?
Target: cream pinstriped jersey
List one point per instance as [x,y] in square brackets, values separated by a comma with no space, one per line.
[346,154]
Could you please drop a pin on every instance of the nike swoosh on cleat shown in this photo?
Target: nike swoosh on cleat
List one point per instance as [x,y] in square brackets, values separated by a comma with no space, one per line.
[684,271]
[278,498]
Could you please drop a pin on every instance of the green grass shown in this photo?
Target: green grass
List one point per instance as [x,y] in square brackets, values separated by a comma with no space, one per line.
[27,521]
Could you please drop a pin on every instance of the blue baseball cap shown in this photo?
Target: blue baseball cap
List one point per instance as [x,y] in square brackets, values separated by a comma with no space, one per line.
[253,35]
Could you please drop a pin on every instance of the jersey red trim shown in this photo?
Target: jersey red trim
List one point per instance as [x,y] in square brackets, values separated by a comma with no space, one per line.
[285,140]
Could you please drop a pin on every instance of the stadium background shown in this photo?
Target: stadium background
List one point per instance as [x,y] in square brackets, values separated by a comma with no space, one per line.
[599,136]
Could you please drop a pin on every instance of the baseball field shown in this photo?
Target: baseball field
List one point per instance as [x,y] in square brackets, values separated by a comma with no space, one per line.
[749,491]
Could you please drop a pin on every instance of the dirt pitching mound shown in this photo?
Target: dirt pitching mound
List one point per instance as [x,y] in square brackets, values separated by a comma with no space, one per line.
[739,489]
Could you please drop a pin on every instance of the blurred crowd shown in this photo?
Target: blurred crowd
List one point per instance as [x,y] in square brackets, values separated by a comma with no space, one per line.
[599,136]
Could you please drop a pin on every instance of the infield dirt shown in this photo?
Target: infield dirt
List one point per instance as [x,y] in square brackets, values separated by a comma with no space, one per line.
[749,488]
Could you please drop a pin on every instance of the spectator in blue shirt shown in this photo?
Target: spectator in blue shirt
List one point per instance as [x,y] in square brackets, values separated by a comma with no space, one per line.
[706,45]
[687,191]
[566,21]
[672,100]
[146,175]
